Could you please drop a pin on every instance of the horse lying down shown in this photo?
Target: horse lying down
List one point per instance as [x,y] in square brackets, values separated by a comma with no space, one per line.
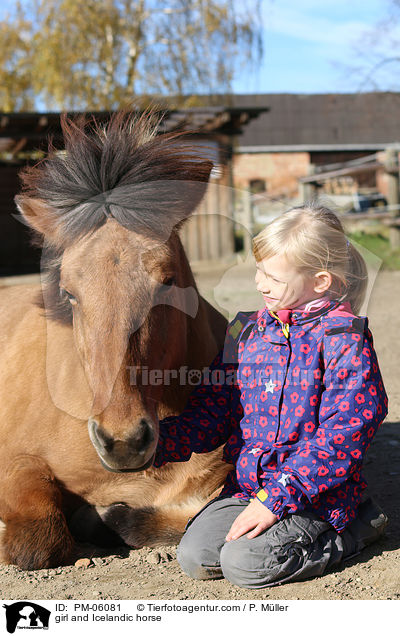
[79,421]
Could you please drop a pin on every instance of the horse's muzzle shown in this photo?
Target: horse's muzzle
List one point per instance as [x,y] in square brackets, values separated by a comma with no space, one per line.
[133,453]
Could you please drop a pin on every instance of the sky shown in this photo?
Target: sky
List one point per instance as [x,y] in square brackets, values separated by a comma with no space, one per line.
[309,45]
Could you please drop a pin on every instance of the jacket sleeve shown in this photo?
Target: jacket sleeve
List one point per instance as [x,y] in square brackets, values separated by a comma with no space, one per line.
[353,404]
[212,413]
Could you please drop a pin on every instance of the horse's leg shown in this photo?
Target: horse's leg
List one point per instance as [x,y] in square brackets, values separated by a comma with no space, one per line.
[36,534]
[136,527]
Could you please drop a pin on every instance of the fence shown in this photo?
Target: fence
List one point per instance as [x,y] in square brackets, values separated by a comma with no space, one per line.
[387,161]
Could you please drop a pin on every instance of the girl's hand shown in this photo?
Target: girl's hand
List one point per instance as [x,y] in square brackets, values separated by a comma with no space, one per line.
[256,517]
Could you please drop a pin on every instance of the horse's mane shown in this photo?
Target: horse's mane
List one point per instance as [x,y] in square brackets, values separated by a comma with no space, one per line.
[148,182]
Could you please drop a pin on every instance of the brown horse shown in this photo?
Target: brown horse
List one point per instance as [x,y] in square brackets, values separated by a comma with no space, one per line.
[117,299]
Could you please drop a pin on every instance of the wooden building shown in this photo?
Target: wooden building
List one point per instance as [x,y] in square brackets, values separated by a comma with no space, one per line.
[298,133]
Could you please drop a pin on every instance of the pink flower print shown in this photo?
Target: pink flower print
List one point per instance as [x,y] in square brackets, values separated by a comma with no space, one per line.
[305,348]
[342,374]
[322,471]
[344,406]
[304,471]
[263,421]
[299,411]
[368,414]
[309,426]
[339,439]
[359,398]
[293,436]
[340,472]
[356,436]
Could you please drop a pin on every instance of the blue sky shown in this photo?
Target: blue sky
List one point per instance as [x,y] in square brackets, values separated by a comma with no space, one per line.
[308,44]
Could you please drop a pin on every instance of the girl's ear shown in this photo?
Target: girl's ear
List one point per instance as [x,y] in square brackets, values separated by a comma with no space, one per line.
[39,216]
[322,281]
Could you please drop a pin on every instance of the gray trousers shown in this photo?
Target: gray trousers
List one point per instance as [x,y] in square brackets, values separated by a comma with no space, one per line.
[295,548]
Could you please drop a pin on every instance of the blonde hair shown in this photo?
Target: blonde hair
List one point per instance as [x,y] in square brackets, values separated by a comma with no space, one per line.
[312,238]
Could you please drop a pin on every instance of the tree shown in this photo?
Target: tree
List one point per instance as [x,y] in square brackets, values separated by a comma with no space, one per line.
[100,54]
[376,61]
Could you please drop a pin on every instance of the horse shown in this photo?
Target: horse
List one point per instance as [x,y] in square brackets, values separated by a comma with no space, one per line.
[79,419]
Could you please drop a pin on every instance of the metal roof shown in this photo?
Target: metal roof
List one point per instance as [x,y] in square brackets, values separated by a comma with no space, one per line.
[344,121]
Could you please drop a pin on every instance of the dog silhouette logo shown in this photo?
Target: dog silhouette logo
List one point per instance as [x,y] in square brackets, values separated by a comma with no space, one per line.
[26,615]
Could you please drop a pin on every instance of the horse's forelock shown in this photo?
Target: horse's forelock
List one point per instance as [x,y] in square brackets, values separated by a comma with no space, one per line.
[147,182]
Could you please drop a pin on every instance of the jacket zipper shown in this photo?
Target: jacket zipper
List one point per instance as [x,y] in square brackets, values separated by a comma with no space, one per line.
[285,329]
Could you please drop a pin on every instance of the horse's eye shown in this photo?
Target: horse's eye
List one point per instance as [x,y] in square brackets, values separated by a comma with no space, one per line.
[66,294]
[168,282]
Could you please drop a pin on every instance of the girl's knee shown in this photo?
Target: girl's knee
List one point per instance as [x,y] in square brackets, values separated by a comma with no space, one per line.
[243,567]
[196,560]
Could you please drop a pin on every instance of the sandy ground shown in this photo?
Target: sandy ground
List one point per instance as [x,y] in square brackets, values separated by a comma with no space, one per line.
[154,573]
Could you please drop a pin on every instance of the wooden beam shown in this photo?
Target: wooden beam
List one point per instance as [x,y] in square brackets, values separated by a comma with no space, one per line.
[323,176]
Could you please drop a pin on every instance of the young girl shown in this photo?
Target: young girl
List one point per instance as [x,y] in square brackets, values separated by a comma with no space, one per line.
[307,402]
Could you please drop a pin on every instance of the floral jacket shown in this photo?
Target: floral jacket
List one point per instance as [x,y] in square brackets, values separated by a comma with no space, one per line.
[298,406]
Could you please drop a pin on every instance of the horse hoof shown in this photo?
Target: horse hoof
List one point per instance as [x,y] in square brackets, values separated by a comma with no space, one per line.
[87,526]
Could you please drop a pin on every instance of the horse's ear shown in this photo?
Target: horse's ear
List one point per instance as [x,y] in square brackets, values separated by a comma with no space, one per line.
[38,215]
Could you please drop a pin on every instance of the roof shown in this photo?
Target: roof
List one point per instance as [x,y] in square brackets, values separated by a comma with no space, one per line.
[359,121]
[27,131]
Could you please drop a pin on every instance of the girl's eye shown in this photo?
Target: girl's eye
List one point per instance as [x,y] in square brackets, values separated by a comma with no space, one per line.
[66,294]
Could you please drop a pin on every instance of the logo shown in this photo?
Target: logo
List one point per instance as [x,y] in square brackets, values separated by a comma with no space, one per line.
[26,615]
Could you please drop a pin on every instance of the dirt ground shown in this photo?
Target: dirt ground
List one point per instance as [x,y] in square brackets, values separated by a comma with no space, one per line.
[154,573]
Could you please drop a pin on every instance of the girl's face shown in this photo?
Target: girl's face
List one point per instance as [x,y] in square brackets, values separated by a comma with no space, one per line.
[282,286]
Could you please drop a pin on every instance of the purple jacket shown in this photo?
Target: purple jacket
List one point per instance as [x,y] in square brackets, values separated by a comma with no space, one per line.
[298,416]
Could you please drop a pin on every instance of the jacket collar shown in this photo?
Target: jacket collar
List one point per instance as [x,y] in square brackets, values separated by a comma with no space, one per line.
[300,317]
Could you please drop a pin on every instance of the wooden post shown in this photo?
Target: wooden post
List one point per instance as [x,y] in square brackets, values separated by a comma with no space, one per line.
[392,170]
[248,219]
[309,189]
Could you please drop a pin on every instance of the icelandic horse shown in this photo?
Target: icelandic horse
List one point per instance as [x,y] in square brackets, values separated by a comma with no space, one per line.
[79,422]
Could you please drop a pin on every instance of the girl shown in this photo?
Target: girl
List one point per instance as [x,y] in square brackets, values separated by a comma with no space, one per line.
[307,402]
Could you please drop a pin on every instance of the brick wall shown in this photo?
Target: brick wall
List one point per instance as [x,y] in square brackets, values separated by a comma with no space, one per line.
[280,170]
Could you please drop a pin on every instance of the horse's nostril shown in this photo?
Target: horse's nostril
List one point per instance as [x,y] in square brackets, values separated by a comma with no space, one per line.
[140,438]
[105,440]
